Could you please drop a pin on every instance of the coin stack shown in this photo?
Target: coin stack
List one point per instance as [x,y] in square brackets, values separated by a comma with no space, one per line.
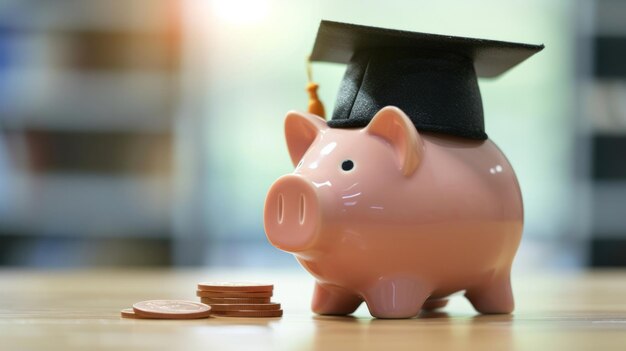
[230,299]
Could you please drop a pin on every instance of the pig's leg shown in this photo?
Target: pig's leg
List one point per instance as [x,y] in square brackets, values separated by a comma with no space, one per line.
[396,297]
[334,301]
[493,297]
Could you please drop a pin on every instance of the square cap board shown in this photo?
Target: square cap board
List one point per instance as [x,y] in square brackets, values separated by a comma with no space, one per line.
[432,78]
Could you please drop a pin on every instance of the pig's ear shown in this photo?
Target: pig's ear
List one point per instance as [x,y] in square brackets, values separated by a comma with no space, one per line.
[393,125]
[301,129]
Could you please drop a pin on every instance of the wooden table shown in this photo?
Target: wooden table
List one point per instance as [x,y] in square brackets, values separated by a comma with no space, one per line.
[66,310]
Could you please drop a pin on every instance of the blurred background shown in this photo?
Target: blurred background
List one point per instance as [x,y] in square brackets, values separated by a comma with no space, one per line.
[147,132]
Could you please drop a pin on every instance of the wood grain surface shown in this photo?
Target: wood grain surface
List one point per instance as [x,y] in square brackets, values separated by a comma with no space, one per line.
[77,310]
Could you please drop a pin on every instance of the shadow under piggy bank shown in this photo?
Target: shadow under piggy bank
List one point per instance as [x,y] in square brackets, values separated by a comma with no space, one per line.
[431,331]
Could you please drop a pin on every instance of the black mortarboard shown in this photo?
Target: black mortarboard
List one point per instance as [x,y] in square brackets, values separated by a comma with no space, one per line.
[432,78]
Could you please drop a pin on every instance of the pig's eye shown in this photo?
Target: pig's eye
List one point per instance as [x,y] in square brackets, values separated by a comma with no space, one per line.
[347,165]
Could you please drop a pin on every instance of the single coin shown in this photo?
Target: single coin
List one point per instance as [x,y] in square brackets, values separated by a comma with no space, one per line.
[248,313]
[234,300]
[245,307]
[129,313]
[171,309]
[235,287]
[214,294]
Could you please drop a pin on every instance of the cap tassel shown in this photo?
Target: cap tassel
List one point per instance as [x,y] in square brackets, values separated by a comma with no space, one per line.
[315,105]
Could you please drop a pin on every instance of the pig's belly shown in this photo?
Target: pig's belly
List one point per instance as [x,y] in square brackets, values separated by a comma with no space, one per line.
[447,257]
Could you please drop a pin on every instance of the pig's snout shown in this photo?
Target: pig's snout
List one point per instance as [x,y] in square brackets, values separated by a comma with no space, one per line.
[292,214]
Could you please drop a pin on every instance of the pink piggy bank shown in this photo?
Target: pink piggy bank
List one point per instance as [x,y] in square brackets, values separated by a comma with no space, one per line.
[396,218]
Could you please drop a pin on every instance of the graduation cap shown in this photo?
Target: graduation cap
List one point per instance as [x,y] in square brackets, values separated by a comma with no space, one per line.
[432,78]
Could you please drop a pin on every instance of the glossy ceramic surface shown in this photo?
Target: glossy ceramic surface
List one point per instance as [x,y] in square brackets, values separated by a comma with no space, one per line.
[416,218]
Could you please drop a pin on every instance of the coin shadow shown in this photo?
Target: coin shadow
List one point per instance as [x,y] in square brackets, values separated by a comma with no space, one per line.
[245,321]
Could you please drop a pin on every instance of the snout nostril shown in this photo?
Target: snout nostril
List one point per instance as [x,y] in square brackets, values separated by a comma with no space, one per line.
[302,209]
[281,206]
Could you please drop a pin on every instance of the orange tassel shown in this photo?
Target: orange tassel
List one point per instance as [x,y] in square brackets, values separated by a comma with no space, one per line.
[315,105]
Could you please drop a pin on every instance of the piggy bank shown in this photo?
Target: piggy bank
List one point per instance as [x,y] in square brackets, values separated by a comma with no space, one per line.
[394,217]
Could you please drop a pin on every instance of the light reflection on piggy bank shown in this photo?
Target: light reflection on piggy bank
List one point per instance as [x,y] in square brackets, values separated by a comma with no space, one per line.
[397,218]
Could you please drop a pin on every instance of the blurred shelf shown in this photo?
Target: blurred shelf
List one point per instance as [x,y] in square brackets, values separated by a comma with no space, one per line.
[606,106]
[602,109]
[96,153]
[44,15]
[610,56]
[89,91]
[89,49]
[80,205]
[608,251]
[26,250]
[610,17]
[609,209]
[82,100]
[608,157]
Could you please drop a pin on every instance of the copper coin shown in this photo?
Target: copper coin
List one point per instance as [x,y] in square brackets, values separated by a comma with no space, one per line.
[171,309]
[245,307]
[248,313]
[234,300]
[129,313]
[214,294]
[235,287]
